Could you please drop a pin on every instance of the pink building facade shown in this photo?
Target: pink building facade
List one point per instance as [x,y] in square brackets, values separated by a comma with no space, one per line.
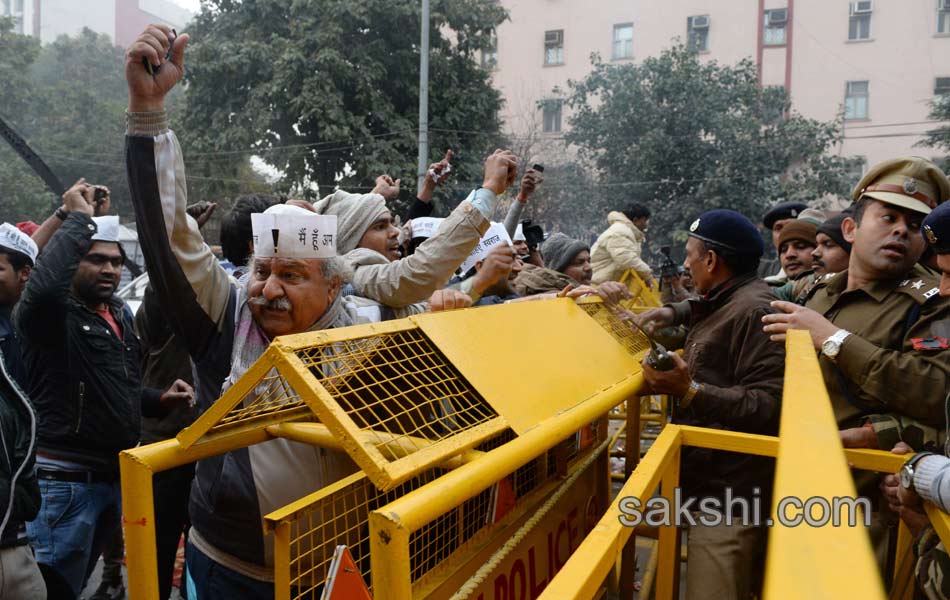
[879,62]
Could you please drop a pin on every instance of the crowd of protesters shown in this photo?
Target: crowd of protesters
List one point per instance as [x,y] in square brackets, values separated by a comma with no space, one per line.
[82,377]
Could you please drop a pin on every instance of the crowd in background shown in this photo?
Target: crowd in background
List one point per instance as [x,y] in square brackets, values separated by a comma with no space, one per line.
[83,376]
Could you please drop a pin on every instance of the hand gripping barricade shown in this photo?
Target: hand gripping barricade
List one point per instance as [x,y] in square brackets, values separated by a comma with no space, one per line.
[478,475]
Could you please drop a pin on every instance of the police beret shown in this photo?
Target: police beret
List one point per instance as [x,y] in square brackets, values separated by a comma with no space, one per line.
[728,229]
[911,182]
[783,210]
[937,229]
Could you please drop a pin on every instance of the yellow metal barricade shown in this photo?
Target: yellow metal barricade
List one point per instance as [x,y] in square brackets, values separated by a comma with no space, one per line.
[642,294]
[802,561]
[437,413]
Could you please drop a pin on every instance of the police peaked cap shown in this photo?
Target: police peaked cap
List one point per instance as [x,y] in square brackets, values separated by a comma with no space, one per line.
[730,230]
[937,228]
[783,210]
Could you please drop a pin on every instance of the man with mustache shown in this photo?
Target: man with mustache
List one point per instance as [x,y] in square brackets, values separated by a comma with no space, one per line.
[872,322]
[795,244]
[82,363]
[294,286]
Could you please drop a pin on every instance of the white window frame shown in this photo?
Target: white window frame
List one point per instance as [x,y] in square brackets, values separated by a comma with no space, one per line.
[489,58]
[627,44]
[852,101]
[693,33]
[857,13]
[943,17]
[552,114]
[767,25]
[557,58]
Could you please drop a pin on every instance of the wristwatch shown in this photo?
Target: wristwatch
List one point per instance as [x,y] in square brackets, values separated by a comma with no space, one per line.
[687,398]
[832,346]
[907,471]
[61,213]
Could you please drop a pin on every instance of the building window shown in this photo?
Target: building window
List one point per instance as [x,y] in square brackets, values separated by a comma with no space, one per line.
[856,167]
[943,16]
[773,34]
[554,47]
[942,87]
[551,115]
[490,54]
[859,20]
[774,103]
[623,41]
[697,33]
[13,8]
[856,100]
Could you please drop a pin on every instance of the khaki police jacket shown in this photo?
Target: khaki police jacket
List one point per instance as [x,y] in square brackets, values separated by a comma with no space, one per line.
[878,368]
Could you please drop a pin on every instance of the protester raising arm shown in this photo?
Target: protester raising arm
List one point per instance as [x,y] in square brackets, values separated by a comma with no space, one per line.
[437,173]
[397,283]
[529,183]
[191,286]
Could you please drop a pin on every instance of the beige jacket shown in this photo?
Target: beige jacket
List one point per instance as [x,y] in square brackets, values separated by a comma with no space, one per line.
[617,250]
[414,278]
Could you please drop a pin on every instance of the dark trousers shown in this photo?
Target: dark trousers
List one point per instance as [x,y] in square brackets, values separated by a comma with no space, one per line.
[171,489]
[214,581]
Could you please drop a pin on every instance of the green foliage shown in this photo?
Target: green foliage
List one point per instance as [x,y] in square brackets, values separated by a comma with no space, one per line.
[68,100]
[326,91]
[939,137]
[684,135]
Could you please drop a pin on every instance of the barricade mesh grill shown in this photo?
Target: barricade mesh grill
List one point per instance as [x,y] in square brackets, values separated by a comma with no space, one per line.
[335,519]
[399,388]
[628,336]
[452,533]
[273,395]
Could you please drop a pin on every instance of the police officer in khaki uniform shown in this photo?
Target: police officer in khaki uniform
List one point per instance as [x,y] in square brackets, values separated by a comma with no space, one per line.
[873,321]
[878,323]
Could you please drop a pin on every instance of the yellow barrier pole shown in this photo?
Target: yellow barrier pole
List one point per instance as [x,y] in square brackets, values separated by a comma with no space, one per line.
[809,438]
[389,557]
[668,546]
[420,506]
[902,587]
[628,558]
[138,524]
[136,467]
[282,561]
[583,574]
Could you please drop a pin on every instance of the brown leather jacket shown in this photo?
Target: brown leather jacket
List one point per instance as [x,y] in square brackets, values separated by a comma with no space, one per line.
[742,374]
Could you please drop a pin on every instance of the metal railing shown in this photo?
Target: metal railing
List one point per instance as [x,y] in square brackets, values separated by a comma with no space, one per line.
[802,561]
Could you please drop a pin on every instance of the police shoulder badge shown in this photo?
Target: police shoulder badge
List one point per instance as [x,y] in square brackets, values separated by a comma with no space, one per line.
[930,235]
[910,186]
[694,226]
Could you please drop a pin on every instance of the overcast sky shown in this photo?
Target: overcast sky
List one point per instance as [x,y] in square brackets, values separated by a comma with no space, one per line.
[191,5]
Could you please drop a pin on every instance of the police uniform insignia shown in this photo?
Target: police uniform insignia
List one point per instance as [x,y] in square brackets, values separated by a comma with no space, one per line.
[694,226]
[910,186]
[934,343]
[930,235]
[918,284]
[931,293]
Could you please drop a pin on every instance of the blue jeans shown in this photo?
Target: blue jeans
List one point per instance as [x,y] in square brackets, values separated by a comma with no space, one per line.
[214,581]
[75,522]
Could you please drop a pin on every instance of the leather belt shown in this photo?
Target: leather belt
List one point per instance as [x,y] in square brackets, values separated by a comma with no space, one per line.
[76,476]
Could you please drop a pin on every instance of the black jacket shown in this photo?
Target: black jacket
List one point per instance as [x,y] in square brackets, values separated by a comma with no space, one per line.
[83,380]
[18,487]
[742,372]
